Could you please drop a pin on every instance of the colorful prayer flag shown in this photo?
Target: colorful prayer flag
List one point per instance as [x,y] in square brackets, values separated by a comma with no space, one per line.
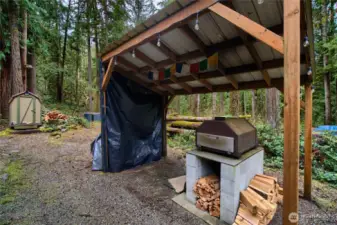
[161,75]
[194,68]
[213,61]
[150,75]
[203,66]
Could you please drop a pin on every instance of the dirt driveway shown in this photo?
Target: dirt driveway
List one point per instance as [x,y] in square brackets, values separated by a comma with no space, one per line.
[61,188]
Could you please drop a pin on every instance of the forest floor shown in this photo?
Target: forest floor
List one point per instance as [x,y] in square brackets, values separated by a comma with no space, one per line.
[50,182]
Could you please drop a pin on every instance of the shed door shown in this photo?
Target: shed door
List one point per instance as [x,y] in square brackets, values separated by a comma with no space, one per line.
[26,107]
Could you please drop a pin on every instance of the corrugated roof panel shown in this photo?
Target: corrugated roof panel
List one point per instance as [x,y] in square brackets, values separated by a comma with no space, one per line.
[195,83]
[132,60]
[152,52]
[265,52]
[178,42]
[275,73]
[243,77]
[247,9]
[218,80]
[200,33]
[227,28]
[175,86]
[257,75]
[185,2]
[244,55]
[210,29]
[269,13]
[172,8]
[231,57]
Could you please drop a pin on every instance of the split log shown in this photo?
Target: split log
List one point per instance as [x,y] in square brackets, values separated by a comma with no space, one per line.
[258,203]
[207,190]
[186,124]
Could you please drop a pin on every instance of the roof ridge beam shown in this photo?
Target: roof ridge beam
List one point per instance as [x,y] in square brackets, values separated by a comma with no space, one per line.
[251,27]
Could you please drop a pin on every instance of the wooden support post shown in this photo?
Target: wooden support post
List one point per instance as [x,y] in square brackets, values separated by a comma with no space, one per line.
[165,101]
[308,142]
[291,110]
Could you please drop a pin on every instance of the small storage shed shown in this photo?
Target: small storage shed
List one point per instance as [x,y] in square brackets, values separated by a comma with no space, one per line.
[24,111]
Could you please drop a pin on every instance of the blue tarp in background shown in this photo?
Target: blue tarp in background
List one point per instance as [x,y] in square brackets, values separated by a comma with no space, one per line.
[132,127]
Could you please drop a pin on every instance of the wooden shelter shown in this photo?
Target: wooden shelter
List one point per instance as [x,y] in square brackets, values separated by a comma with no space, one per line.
[258,46]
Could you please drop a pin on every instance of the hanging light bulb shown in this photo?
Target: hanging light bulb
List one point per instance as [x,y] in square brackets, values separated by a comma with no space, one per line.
[260,2]
[158,41]
[196,27]
[115,62]
[133,53]
[306,42]
[309,71]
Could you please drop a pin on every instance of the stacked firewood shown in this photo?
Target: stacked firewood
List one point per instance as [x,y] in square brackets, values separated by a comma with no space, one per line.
[207,190]
[258,203]
[54,115]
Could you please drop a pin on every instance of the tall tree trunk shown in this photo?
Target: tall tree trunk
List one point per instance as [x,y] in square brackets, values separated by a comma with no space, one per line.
[31,73]
[214,94]
[244,103]
[15,70]
[197,104]
[64,54]
[97,61]
[235,103]
[327,99]
[78,51]
[271,99]
[5,87]
[24,49]
[89,55]
[105,22]
[253,104]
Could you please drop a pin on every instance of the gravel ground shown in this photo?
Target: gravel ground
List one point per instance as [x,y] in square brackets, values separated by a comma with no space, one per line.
[63,189]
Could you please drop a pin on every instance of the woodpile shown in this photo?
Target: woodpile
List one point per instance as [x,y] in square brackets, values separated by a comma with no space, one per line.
[178,130]
[207,190]
[54,115]
[258,203]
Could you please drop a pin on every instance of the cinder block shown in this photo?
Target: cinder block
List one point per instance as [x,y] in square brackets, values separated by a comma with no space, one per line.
[192,160]
[227,216]
[228,172]
[191,172]
[227,186]
[190,195]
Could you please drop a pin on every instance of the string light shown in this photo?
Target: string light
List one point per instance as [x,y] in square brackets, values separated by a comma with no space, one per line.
[309,71]
[306,42]
[133,54]
[260,2]
[115,62]
[158,42]
[196,27]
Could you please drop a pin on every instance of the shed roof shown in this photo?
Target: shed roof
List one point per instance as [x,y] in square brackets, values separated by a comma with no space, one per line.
[244,61]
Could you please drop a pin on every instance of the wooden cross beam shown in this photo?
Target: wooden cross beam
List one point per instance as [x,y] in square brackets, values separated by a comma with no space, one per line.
[140,55]
[271,39]
[108,74]
[183,85]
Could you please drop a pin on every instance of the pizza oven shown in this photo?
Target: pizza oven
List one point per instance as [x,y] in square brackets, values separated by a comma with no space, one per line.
[227,136]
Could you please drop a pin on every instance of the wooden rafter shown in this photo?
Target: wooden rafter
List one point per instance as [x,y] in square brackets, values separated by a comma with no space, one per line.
[165,50]
[231,79]
[225,45]
[140,55]
[271,39]
[132,76]
[185,86]
[108,74]
[207,84]
[277,82]
[272,64]
[162,26]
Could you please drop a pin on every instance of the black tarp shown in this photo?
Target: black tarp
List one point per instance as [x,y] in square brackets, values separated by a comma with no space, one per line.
[132,127]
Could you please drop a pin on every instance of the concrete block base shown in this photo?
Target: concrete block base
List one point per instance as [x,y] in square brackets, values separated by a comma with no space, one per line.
[235,175]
